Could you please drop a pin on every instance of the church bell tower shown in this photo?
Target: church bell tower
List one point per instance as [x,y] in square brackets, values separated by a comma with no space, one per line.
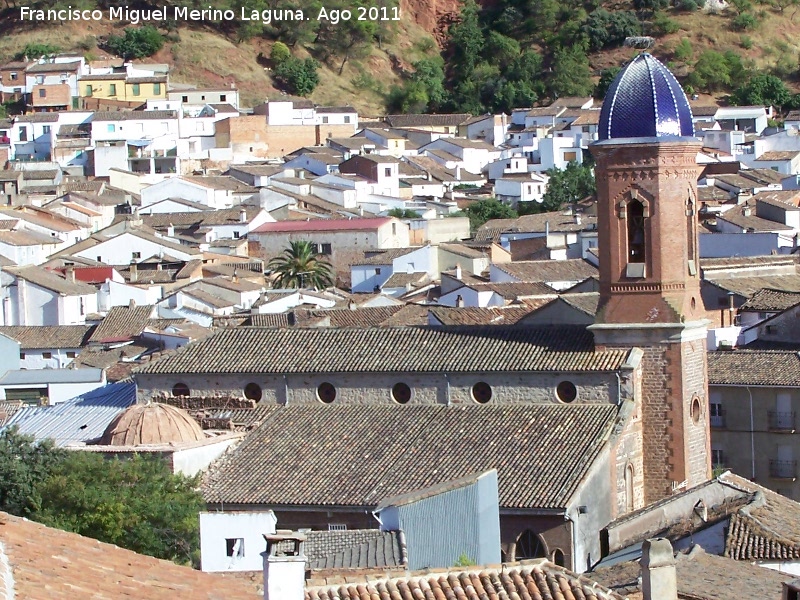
[649,266]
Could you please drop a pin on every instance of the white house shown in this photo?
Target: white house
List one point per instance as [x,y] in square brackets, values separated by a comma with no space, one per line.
[135,246]
[377,268]
[48,347]
[234,540]
[514,189]
[229,95]
[474,155]
[139,141]
[557,152]
[213,192]
[36,296]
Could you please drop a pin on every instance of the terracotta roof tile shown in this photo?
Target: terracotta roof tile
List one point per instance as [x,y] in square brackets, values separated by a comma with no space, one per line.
[306,452]
[549,270]
[753,367]
[495,315]
[701,576]
[49,336]
[768,300]
[391,349]
[542,580]
[424,120]
[74,566]
[122,323]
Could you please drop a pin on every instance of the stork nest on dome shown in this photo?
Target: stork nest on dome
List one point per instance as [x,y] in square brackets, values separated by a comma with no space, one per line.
[641,42]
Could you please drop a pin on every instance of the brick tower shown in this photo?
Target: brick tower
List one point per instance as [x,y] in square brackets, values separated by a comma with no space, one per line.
[649,273]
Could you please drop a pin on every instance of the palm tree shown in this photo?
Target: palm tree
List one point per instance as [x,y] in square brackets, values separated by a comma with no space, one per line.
[300,267]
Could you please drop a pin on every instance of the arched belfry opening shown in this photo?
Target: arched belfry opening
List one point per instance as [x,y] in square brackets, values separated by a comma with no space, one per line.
[637,245]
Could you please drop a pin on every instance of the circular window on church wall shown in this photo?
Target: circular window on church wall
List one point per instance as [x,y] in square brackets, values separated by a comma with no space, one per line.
[252,391]
[697,409]
[180,389]
[566,391]
[401,393]
[326,392]
[481,392]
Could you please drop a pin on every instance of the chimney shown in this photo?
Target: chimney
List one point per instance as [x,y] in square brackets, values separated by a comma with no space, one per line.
[242,215]
[131,304]
[235,278]
[134,272]
[458,271]
[659,581]
[170,230]
[284,566]
[458,172]
[459,301]
[747,211]
[301,174]
[577,218]
[70,273]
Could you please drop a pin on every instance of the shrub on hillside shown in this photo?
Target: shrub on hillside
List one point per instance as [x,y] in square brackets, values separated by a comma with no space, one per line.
[279,53]
[139,42]
[298,76]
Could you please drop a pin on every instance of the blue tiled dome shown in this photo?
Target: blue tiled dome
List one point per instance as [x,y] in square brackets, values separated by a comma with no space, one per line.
[645,100]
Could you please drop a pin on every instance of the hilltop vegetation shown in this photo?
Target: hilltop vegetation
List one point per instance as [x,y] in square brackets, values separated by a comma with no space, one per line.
[507,53]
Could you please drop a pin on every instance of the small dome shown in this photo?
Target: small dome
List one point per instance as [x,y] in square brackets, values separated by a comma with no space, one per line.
[153,423]
[645,100]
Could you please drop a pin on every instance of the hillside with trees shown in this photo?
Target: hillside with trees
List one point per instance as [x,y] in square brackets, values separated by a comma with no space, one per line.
[449,56]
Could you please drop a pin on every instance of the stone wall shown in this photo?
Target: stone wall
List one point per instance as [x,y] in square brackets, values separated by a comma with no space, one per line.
[372,388]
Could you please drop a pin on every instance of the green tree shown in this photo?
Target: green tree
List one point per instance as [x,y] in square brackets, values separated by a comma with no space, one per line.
[650,5]
[763,89]
[571,74]
[34,50]
[24,465]
[568,185]
[711,71]
[136,42]
[606,79]
[403,213]
[279,53]
[138,504]
[300,267]
[466,41]
[297,75]
[605,28]
[683,51]
[483,210]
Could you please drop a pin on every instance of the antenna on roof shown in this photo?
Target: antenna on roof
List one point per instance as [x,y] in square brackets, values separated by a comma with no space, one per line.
[640,42]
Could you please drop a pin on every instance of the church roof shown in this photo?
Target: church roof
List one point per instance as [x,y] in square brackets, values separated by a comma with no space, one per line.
[645,100]
[392,349]
[542,453]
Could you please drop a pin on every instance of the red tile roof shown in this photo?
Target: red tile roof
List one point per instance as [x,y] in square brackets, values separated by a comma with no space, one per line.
[48,563]
[323,225]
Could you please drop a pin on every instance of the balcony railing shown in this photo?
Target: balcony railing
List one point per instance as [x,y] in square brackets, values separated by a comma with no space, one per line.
[781,421]
[718,420]
[783,469]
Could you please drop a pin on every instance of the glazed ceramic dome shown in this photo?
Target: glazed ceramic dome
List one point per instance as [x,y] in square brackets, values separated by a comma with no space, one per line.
[151,423]
[645,100]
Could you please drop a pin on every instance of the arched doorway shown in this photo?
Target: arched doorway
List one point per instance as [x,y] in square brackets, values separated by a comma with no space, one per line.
[529,545]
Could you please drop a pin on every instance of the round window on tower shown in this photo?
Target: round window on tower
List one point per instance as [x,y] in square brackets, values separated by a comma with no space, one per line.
[697,409]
